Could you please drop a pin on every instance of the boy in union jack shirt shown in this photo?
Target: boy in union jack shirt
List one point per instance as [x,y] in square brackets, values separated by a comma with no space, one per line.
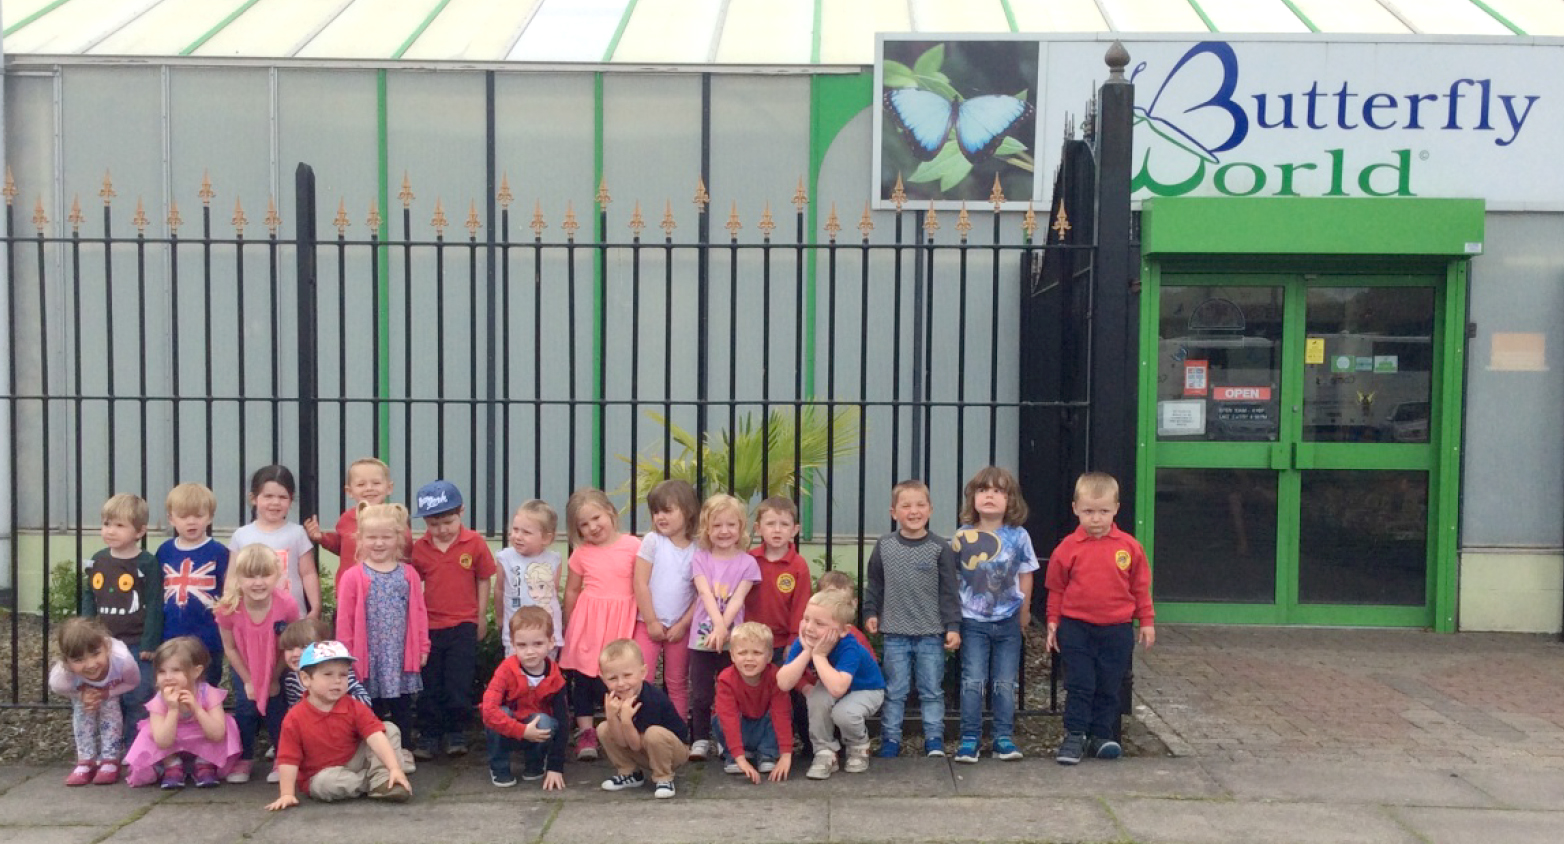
[194,566]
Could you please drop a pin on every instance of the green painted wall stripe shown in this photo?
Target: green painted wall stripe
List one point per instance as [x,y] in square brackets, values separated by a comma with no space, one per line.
[599,289]
[613,43]
[1310,226]
[383,282]
[1010,15]
[1301,16]
[814,35]
[1494,13]
[428,19]
[1195,4]
[35,16]
[222,24]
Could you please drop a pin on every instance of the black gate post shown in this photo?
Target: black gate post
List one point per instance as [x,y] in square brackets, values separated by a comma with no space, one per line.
[309,339]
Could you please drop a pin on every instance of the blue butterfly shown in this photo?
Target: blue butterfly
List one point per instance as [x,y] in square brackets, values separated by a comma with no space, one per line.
[980,122]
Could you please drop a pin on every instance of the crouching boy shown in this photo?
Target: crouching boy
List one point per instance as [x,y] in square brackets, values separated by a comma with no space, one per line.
[848,685]
[641,730]
[333,746]
[754,715]
[524,705]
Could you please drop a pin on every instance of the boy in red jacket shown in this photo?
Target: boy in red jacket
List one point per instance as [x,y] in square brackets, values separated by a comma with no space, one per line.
[753,714]
[1098,582]
[525,704]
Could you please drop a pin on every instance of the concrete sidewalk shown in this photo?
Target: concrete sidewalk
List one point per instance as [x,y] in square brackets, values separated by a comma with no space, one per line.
[903,801]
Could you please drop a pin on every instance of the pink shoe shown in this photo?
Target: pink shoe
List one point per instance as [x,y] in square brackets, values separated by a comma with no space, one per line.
[240,773]
[108,774]
[586,745]
[82,773]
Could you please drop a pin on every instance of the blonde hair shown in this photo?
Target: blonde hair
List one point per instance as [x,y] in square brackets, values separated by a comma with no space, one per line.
[722,503]
[587,497]
[753,632]
[251,561]
[125,507]
[676,495]
[188,648]
[394,514]
[841,605]
[1096,485]
[347,477]
[993,477]
[836,580]
[619,649]
[531,618]
[305,631]
[540,510]
[190,499]
[908,486]
[79,635]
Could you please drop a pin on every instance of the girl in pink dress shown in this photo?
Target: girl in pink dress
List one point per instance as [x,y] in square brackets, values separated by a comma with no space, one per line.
[185,722]
[599,602]
[250,615]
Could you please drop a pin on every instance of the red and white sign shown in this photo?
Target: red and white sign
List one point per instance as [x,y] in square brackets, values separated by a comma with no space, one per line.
[1241,393]
[1195,377]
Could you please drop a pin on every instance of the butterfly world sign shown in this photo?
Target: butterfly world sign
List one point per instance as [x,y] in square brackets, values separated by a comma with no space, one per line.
[1256,116]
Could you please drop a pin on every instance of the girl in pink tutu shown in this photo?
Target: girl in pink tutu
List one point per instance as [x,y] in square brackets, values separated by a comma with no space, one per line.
[599,603]
[185,725]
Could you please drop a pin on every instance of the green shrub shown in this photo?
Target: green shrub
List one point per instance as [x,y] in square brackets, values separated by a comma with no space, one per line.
[62,591]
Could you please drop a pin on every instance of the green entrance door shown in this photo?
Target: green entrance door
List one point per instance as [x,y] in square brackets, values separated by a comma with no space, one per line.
[1296,460]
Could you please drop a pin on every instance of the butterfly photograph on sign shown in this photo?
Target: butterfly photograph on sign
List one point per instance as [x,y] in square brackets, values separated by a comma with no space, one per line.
[955,114]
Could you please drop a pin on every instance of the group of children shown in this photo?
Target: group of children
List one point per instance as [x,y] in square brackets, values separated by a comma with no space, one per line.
[746,653]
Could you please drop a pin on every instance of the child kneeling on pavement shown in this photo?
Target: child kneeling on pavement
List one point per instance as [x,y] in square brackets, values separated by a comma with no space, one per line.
[332,746]
[524,705]
[847,687]
[754,716]
[640,730]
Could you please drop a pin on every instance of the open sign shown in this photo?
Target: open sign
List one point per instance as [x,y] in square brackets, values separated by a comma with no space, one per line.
[1241,393]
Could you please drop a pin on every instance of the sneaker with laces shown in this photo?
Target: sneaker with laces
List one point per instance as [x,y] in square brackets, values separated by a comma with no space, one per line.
[108,774]
[82,773]
[857,759]
[1005,748]
[205,775]
[823,766]
[240,773]
[1071,749]
[890,748]
[620,782]
[1104,748]
[586,745]
[967,751]
[732,767]
[501,778]
[700,750]
[664,790]
[934,747]
[173,778]
[766,766]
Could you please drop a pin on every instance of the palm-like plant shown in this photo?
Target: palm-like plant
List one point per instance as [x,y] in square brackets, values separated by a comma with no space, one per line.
[761,453]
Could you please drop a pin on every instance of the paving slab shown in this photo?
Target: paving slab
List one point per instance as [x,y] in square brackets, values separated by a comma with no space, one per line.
[1533,788]
[685,821]
[257,792]
[418,822]
[11,777]
[912,777]
[51,834]
[1151,777]
[582,780]
[191,823]
[1483,826]
[1153,821]
[1385,783]
[44,800]
[957,819]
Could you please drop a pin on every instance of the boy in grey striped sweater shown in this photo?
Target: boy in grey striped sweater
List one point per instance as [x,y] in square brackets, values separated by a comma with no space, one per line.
[912,598]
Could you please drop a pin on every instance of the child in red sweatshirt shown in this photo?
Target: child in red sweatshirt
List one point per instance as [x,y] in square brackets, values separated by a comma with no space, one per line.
[524,706]
[753,713]
[1099,583]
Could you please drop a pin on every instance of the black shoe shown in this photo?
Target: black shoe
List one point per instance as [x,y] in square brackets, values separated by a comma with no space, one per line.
[1104,748]
[1071,749]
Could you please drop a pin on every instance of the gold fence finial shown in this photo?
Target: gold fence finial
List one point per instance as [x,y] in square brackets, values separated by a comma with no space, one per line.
[107,192]
[40,219]
[997,195]
[206,193]
[702,198]
[767,225]
[963,222]
[504,196]
[931,223]
[636,222]
[570,225]
[603,199]
[1029,222]
[898,194]
[174,220]
[800,196]
[438,220]
[833,226]
[140,219]
[76,218]
[866,222]
[668,225]
[733,225]
[239,219]
[406,193]
[374,219]
[341,222]
[473,224]
[9,191]
[1061,223]
[538,224]
[273,219]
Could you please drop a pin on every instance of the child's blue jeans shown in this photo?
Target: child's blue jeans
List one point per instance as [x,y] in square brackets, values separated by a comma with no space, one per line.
[532,753]
[990,654]
[908,658]
[249,718]
[759,734]
[1094,658]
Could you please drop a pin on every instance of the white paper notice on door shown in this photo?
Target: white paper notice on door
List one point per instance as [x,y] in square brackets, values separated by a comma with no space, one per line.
[1181,418]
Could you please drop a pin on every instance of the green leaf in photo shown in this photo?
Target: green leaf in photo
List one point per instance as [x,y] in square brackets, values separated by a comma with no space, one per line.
[948,168]
[932,83]
[898,75]
[930,61]
[1010,146]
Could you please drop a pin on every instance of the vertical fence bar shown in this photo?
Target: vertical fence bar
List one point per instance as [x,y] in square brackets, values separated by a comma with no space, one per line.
[865,226]
[491,325]
[11,405]
[406,195]
[472,374]
[501,292]
[668,341]
[439,339]
[570,226]
[77,470]
[342,350]
[44,465]
[993,342]
[733,345]
[801,202]
[108,330]
[832,226]
[274,285]
[896,306]
[702,305]
[635,354]
[240,346]
[915,420]
[141,359]
[173,346]
[537,351]
[765,362]
[600,347]
[309,339]
[926,336]
[374,325]
[206,195]
[961,350]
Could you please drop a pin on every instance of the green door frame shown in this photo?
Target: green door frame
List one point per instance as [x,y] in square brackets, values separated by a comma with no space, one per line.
[1336,236]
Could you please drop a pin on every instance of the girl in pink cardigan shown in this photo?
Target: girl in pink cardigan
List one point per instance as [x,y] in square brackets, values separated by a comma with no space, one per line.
[381,616]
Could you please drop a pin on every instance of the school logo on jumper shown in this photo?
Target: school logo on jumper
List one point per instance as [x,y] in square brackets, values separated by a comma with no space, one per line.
[186,582]
[465,561]
[1121,558]
[786,583]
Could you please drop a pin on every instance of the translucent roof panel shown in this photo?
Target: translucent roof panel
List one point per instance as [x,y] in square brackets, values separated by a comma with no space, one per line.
[1152,16]
[1337,16]
[13,12]
[971,16]
[370,29]
[167,28]
[473,30]
[670,32]
[1535,17]
[77,26]
[1446,17]
[1058,16]
[766,32]
[273,28]
[570,31]
[1252,16]
[848,27]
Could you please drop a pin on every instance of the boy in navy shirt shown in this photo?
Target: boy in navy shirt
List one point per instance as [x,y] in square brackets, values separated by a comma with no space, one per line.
[849,686]
[640,730]
[194,566]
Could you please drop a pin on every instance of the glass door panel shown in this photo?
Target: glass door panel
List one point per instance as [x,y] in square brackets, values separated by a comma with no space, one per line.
[1216,535]
[1370,376]
[1363,538]
[1220,363]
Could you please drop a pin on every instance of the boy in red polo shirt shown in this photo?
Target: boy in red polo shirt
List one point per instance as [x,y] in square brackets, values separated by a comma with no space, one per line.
[456,565]
[332,746]
[1099,583]
[525,704]
[778,600]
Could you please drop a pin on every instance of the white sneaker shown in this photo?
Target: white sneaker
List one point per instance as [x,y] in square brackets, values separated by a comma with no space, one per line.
[273,775]
[823,766]
[857,759]
[700,750]
[409,764]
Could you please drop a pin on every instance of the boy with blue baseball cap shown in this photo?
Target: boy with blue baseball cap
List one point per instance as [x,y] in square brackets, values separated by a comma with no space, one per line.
[332,746]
